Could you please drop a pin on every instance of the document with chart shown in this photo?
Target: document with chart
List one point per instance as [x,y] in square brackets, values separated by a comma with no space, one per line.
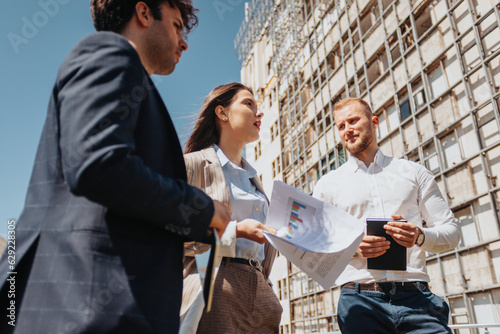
[316,236]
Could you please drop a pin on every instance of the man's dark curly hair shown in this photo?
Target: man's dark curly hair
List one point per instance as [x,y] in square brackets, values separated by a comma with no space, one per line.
[113,15]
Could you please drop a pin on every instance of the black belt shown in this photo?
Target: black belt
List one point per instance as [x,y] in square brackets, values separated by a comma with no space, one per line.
[250,262]
[387,286]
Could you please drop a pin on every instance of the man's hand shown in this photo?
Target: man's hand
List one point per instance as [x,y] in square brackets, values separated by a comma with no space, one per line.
[252,229]
[403,233]
[220,218]
[373,246]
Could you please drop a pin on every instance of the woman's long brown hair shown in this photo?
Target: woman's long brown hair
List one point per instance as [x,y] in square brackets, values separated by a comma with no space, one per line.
[206,130]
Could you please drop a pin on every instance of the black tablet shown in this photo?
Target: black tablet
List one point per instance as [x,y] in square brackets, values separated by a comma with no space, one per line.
[395,257]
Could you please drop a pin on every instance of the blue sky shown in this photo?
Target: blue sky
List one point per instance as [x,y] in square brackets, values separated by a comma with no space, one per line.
[35,36]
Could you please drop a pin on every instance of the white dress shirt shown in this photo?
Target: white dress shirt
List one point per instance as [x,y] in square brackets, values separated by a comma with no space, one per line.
[387,187]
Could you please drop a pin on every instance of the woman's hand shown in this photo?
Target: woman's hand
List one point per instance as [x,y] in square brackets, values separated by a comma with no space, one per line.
[252,229]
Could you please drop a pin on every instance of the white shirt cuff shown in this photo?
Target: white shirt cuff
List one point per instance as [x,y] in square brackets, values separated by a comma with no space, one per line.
[228,241]
[440,240]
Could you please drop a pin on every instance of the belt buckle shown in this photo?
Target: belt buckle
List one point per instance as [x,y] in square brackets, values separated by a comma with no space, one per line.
[393,288]
[255,263]
[378,287]
[390,287]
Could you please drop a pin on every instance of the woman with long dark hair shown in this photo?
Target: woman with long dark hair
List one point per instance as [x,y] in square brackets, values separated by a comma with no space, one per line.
[243,301]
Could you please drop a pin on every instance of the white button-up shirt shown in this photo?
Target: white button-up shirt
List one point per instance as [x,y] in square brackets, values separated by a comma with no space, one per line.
[246,202]
[387,187]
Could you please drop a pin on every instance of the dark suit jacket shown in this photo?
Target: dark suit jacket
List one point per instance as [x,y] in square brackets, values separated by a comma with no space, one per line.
[100,240]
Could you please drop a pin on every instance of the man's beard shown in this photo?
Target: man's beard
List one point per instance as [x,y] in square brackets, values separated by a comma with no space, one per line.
[358,147]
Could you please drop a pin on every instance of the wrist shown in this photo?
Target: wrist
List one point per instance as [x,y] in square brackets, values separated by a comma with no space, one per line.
[419,241]
[238,230]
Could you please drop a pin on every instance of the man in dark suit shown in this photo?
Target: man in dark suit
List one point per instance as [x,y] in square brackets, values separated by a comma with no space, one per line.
[99,244]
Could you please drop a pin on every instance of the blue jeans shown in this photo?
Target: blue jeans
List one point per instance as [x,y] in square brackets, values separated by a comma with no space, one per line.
[372,312]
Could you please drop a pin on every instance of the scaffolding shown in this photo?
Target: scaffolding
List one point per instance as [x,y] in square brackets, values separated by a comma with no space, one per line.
[251,29]
[286,35]
[282,22]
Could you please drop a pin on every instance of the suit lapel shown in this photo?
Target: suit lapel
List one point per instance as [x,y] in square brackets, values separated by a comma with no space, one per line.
[215,181]
[256,182]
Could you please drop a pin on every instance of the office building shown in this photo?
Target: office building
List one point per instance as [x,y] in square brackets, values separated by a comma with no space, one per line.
[431,71]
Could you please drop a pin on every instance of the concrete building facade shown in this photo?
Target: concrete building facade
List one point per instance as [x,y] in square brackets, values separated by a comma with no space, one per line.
[431,71]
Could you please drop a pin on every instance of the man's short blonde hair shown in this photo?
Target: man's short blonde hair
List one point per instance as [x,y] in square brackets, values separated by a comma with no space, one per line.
[350,100]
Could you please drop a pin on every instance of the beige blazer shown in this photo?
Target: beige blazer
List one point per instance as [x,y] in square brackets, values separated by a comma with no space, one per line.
[204,171]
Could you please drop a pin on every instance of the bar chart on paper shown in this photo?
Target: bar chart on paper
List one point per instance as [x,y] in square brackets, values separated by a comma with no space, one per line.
[298,213]
[317,237]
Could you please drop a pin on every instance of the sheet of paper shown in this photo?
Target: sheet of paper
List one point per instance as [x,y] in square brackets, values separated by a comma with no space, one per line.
[317,237]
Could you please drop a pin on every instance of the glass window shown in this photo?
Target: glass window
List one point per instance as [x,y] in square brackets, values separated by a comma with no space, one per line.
[485,311]
[437,82]
[468,228]
[405,110]
[451,150]
[431,160]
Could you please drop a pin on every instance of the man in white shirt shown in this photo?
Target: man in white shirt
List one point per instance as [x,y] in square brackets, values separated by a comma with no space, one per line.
[372,185]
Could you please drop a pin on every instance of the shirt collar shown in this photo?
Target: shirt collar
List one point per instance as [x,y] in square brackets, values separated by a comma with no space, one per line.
[356,164]
[222,157]
[233,168]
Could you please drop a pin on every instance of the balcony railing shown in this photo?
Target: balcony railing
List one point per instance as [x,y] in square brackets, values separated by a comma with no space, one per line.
[478,326]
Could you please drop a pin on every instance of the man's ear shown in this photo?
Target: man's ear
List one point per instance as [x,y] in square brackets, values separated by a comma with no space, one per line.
[143,13]
[221,113]
[375,121]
